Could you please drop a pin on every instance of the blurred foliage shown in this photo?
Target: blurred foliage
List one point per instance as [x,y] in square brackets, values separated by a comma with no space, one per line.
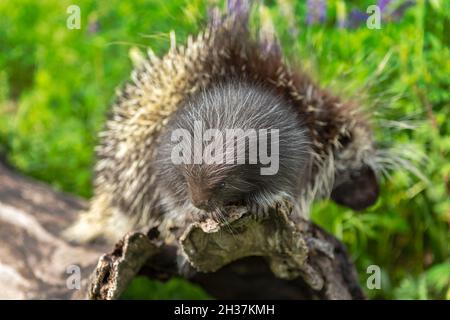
[56,85]
[144,288]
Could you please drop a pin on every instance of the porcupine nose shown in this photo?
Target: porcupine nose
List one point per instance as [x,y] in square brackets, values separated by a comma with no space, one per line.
[200,199]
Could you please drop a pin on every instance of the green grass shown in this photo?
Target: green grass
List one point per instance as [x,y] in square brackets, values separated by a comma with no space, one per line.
[56,85]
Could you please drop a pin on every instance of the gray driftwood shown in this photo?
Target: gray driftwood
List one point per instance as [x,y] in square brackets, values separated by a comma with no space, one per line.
[276,257]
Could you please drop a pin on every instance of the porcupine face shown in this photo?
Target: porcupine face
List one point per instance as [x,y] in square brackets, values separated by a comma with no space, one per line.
[211,186]
[249,114]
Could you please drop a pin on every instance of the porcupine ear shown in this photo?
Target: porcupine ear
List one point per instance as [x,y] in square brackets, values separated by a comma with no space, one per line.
[359,191]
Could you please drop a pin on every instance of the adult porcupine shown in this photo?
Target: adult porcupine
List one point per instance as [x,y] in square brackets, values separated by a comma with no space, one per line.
[129,189]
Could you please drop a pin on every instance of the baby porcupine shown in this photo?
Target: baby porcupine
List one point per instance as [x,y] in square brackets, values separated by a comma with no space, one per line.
[129,192]
[244,119]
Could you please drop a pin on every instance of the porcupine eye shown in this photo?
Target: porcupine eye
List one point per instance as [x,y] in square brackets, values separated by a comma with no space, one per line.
[221,185]
[345,140]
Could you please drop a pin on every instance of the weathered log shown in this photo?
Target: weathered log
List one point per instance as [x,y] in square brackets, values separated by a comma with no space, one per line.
[275,257]
[34,259]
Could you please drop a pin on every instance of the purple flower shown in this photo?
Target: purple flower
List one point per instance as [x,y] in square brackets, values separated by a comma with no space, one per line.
[400,10]
[356,18]
[316,11]
[238,7]
[383,4]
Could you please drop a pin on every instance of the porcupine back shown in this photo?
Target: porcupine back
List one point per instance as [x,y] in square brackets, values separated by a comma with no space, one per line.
[126,194]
